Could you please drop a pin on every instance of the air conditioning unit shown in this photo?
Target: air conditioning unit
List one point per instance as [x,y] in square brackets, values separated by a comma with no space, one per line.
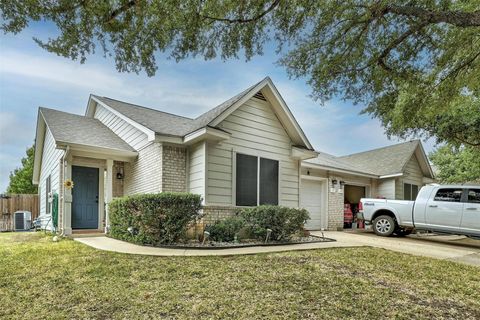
[23,220]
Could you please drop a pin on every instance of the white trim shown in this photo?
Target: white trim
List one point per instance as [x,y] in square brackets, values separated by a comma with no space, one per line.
[206,133]
[391,175]
[150,133]
[303,154]
[319,166]
[99,152]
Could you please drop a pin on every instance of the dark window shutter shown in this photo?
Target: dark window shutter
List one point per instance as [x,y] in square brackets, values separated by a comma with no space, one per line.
[414,191]
[268,181]
[48,189]
[407,191]
[246,185]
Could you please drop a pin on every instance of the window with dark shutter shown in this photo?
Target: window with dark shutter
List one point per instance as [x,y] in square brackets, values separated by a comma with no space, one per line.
[268,181]
[246,176]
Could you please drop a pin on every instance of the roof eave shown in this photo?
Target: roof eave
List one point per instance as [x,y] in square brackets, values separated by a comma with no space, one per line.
[329,168]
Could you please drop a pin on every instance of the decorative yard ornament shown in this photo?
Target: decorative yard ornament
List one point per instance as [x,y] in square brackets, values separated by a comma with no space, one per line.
[68,184]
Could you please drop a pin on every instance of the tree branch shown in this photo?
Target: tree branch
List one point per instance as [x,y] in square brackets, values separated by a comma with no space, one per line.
[457,18]
[240,20]
[396,42]
[115,13]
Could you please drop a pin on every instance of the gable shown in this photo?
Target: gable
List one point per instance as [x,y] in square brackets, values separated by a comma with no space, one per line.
[256,124]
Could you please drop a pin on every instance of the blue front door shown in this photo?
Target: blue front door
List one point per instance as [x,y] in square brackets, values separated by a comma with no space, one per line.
[85,198]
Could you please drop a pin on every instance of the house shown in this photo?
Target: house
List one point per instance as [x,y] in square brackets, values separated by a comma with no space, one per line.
[247,151]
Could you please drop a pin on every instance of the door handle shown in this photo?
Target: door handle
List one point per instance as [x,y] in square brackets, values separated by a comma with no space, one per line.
[470,208]
[433,206]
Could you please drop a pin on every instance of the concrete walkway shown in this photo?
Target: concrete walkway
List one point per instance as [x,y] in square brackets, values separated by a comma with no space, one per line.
[411,245]
[109,244]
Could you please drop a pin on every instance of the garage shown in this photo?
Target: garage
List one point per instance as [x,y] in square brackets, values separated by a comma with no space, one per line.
[352,196]
[313,198]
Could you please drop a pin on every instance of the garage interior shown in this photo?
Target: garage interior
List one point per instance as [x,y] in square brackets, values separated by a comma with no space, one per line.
[352,196]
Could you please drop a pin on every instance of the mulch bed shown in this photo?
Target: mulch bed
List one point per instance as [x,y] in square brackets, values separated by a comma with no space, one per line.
[246,243]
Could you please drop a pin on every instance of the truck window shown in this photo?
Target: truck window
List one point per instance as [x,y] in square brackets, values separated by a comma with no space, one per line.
[449,195]
[474,195]
[410,191]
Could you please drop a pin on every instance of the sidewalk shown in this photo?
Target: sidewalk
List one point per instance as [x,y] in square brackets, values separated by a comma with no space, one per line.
[109,244]
[409,245]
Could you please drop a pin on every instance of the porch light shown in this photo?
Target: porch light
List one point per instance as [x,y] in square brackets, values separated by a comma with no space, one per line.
[120,174]
[342,183]
[334,183]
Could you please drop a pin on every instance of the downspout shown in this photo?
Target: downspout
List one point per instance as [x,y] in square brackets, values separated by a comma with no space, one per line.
[65,154]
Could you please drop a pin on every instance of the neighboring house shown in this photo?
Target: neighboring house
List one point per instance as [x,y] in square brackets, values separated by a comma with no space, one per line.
[247,151]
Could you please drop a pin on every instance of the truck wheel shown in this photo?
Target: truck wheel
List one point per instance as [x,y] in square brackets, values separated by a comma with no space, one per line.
[403,232]
[384,226]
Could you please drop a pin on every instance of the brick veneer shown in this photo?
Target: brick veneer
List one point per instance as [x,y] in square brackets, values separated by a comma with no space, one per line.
[174,162]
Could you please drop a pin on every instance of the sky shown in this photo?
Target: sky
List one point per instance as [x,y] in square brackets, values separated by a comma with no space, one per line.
[31,77]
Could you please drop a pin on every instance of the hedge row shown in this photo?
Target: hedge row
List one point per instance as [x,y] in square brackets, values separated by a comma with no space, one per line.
[164,218]
[252,223]
[153,218]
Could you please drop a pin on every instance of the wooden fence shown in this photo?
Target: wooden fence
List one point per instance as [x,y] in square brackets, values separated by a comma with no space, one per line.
[15,202]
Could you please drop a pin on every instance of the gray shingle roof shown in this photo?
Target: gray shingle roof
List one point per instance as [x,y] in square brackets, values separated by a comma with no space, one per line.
[383,161]
[167,123]
[77,129]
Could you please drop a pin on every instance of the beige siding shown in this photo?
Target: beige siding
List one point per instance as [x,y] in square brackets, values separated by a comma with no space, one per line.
[50,166]
[412,174]
[196,169]
[144,175]
[255,131]
[131,135]
[386,188]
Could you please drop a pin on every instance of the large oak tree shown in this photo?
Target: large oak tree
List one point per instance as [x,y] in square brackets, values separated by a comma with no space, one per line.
[415,65]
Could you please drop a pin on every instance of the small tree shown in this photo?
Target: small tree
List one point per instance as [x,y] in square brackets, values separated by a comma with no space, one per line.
[21,178]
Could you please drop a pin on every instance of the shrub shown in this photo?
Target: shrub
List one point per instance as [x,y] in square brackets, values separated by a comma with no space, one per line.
[225,230]
[154,218]
[283,221]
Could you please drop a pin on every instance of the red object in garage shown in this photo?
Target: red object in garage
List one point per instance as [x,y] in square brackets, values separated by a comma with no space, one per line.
[347,214]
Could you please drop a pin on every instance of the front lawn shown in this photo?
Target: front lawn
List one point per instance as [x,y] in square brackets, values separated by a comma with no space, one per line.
[42,279]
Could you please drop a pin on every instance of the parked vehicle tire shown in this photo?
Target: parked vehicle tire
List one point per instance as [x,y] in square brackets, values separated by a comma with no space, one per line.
[384,226]
[402,232]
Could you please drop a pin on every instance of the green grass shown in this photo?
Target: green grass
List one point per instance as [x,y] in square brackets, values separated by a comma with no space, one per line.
[42,279]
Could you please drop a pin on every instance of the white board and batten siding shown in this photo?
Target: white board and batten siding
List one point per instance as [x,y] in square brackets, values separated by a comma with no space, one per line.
[127,132]
[412,174]
[196,168]
[255,130]
[50,167]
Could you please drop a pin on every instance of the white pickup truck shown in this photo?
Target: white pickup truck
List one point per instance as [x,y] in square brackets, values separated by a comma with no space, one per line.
[453,209]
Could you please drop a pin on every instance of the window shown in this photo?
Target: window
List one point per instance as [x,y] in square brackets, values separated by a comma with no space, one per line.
[410,191]
[48,189]
[449,195]
[257,181]
[474,195]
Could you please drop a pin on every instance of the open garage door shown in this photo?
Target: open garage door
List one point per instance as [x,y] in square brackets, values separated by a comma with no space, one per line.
[313,198]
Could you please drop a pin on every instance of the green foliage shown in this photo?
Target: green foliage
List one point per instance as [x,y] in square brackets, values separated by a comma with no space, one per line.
[226,229]
[283,221]
[413,64]
[21,178]
[457,164]
[155,218]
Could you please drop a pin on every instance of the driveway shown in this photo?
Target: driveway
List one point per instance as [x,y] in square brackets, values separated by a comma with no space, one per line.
[454,248]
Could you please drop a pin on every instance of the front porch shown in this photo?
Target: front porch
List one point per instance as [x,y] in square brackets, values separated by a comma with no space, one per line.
[97,178]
